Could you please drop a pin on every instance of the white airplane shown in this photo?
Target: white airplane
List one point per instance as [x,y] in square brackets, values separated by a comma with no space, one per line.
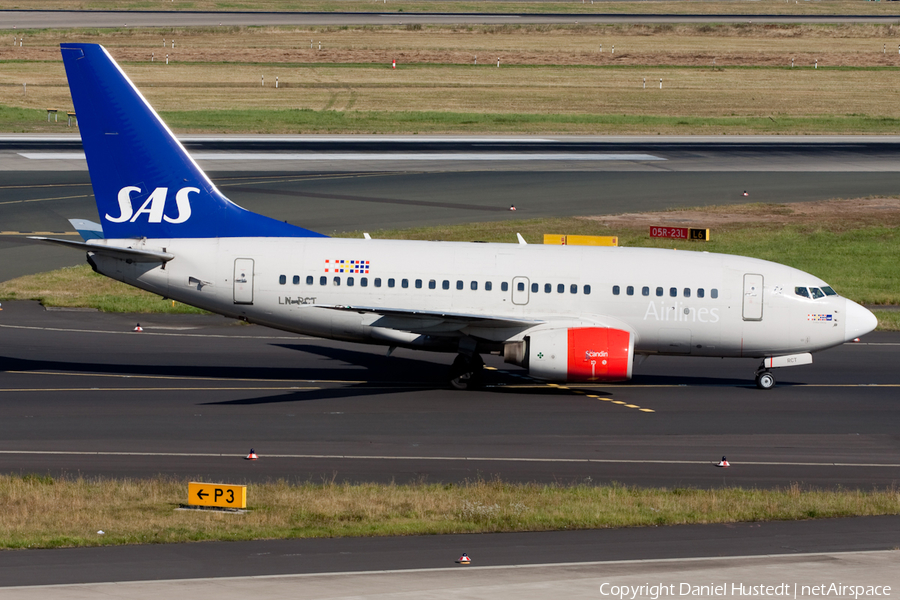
[566,313]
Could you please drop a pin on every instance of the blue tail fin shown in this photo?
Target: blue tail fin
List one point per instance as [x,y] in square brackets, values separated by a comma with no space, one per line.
[145,183]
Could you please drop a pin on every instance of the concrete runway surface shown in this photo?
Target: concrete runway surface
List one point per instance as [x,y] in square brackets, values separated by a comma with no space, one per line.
[802,576]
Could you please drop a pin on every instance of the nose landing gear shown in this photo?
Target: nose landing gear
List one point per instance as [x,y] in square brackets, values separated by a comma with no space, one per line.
[764,379]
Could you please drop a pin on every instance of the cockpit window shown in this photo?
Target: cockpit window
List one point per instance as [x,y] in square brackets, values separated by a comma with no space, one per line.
[801,291]
[829,291]
[816,293]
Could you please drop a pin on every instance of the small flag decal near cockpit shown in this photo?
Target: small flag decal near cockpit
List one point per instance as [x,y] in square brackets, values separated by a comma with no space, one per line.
[818,317]
[346,266]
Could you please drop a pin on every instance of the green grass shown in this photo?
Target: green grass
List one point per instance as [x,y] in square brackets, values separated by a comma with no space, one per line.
[81,287]
[309,121]
[40,512]
[331,121]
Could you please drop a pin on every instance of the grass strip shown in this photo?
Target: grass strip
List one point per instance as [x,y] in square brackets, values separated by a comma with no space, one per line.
[413,122]
[310,121]
[40,512]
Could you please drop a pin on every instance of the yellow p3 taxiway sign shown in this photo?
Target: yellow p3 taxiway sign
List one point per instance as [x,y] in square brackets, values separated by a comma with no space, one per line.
[217,494]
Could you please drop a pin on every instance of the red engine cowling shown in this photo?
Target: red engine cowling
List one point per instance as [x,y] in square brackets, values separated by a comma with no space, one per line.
[581,354]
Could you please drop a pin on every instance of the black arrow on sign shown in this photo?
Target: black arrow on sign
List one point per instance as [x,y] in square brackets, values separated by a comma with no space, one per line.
[200,494]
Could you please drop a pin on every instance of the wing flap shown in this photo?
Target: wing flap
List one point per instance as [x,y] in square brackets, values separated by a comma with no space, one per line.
[423,321]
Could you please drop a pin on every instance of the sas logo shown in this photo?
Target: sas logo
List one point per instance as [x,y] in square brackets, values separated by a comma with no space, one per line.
[589,354]
[154,206]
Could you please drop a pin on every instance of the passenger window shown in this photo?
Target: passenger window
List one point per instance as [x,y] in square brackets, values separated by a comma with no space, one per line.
[323,280]
[350,281]
[391,282]
[816,293]
[296,280]
[504,287]
[829,291]
[473,286]
[432,284]
[309,280]
[615,290]
[418,284]
[520,286]
[587,290]
[659,291]
[630,290]
[700,292]
[645,291]
[488,286]
[404,283]
[364,281]
[673,292]
[548,288]
[687,292]
[714,293]
[377,282]
[534,288]
[282,279]
[445,284]
[573,289]
[337,281]
[561,288]
[459,284]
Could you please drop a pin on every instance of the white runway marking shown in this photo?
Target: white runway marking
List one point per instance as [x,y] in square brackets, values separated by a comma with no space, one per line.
[381,156]
[450,458]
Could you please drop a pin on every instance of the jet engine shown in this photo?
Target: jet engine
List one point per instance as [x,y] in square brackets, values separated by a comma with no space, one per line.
[575,354]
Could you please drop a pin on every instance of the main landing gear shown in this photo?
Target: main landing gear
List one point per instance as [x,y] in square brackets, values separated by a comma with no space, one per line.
[466,372]
[764,379]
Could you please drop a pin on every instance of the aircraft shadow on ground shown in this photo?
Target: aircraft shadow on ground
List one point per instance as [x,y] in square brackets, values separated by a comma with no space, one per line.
[369,374]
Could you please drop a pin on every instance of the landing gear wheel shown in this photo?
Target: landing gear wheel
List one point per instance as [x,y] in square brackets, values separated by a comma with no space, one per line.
[466,371]
[765,380]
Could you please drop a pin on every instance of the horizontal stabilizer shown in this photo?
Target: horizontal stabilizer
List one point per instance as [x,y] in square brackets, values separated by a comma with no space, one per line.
[122,253]
[87,229]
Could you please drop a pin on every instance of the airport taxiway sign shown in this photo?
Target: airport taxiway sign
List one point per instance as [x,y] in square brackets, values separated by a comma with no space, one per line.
[219,495]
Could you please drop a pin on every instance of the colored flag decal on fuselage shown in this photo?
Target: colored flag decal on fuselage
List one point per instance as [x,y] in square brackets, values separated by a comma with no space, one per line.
[346,266]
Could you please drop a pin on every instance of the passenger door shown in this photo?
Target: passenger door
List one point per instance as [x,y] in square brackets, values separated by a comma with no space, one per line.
[243,281]
[753,297]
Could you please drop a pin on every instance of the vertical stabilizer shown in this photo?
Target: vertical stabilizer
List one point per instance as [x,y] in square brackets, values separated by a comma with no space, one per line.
[145,182]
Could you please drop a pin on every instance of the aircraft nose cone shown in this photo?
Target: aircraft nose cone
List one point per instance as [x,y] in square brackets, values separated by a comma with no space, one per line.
[858,321]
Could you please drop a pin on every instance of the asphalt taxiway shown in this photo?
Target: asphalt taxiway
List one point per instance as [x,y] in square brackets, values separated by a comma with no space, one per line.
[189,396]
[83,394]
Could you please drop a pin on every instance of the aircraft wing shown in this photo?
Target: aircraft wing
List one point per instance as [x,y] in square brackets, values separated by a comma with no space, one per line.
[142,255]
[424,321]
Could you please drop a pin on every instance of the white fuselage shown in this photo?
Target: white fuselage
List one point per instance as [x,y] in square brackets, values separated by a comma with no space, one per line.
[673,302]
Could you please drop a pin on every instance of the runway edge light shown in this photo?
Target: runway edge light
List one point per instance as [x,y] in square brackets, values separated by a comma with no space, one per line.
[251,456]
[464,559]
[723,463]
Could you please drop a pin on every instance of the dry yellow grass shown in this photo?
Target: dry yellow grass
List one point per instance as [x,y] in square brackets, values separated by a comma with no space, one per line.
[543,70]
[820,7]
[40,512]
